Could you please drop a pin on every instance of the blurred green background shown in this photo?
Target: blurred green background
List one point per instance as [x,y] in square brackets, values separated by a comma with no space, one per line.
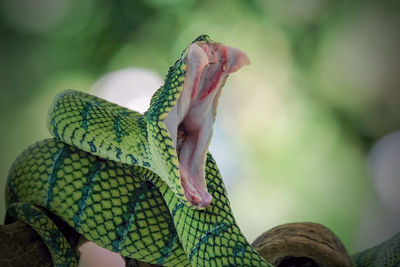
[298,124]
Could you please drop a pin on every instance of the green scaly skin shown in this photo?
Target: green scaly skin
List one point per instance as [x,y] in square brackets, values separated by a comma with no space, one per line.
[385,254]
[112,175]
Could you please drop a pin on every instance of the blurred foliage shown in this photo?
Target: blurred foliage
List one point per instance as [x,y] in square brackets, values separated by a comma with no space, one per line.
[322,88]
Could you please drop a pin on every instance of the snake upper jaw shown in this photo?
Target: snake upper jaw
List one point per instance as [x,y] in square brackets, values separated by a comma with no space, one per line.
[190,121]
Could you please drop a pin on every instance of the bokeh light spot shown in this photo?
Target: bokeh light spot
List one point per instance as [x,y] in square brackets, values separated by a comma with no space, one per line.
[37,16]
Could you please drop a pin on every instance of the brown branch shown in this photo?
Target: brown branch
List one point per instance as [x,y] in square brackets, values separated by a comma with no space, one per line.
[295,244]
[21,246]
[286,245]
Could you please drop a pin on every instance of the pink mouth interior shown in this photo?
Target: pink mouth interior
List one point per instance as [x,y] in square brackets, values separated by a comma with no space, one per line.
[190,121]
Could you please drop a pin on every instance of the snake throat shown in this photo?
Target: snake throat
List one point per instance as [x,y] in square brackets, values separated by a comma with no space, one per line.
[190,121]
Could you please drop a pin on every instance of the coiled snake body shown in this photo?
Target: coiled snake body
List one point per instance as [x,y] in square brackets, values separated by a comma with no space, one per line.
[141,185]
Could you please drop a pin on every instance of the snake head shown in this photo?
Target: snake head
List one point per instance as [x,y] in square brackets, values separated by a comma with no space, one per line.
[189,121]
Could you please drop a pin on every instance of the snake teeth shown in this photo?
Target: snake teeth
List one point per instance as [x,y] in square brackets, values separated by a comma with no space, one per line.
[190,121]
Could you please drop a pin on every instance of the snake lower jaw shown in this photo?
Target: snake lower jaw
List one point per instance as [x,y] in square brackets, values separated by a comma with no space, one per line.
[195,192]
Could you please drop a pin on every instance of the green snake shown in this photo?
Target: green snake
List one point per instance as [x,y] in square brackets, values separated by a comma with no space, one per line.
[141,185]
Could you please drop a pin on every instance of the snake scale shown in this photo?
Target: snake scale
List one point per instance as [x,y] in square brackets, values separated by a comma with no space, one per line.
[141,185]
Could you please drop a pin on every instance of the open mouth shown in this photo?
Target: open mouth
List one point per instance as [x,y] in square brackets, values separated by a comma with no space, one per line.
[190,121]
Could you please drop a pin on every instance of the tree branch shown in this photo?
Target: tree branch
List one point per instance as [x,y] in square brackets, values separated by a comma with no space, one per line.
[293,244]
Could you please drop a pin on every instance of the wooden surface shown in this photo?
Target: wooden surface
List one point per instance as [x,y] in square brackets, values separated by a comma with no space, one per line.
[293,244]
[302,240]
